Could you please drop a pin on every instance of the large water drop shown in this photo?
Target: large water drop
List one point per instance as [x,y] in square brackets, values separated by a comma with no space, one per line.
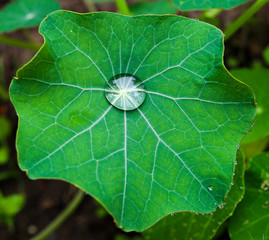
[125,92]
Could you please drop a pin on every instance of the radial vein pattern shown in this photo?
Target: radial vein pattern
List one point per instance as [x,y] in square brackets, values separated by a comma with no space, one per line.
[174,152]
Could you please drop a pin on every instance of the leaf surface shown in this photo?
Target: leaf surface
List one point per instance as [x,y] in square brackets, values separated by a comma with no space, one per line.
[158,7]
[143,164]
[184,226]
[186,5]
[25,13]
[251,217]
[258,80]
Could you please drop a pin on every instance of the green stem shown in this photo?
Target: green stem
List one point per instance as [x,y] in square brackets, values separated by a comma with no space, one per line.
[90,5]
[71,207]
[123,7]
[233,27]
[19,43]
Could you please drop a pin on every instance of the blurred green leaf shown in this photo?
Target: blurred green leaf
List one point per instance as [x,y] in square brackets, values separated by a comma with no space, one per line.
[254,148]
[251,217]
[266,55]
[10,206]
[5,128]
[185,226]
[25,13]
[258,80]
[186,5]
[4,154]
[159,7]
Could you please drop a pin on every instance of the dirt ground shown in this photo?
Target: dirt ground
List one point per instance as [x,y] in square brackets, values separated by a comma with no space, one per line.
[45,199]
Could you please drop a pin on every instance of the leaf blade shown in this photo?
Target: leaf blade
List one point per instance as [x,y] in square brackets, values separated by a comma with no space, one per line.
[73,83]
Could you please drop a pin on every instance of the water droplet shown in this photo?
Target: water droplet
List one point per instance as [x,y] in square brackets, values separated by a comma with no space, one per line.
[232,183]
[173,214]
[210,188]
[241,187]
[235,163]
[211,213]
[203,214]
[197,213]
[125,92]
[234,174]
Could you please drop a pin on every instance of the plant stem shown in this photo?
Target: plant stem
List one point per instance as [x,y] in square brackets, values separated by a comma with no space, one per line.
[19,43]
[233,27]
[71,207]
[90,5]
[123,7]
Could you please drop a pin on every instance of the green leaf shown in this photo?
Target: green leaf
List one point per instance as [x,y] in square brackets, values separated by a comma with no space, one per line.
[4,154]
[251,217]
[258,80]
[142,164]
[5,128]
[186,5]
[266,55]
[25,13]
[198,226]
[9,206]
[159,7]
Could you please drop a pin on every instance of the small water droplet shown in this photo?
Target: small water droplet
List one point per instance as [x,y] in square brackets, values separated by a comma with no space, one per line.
[125,92]
[203,214]
[232,183]
[211,213]
[233,174]
[173,214]
[210,188]
[235,163]
[241,187]
[197,213]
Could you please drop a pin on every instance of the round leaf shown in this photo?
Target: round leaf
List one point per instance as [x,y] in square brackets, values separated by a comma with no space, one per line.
[159,158]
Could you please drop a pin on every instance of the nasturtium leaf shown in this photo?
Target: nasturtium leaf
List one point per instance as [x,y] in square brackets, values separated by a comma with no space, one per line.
[158,7]
[185,226]
[186,5]
[25,13]
[251,217]
[142,164]
[258,80]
